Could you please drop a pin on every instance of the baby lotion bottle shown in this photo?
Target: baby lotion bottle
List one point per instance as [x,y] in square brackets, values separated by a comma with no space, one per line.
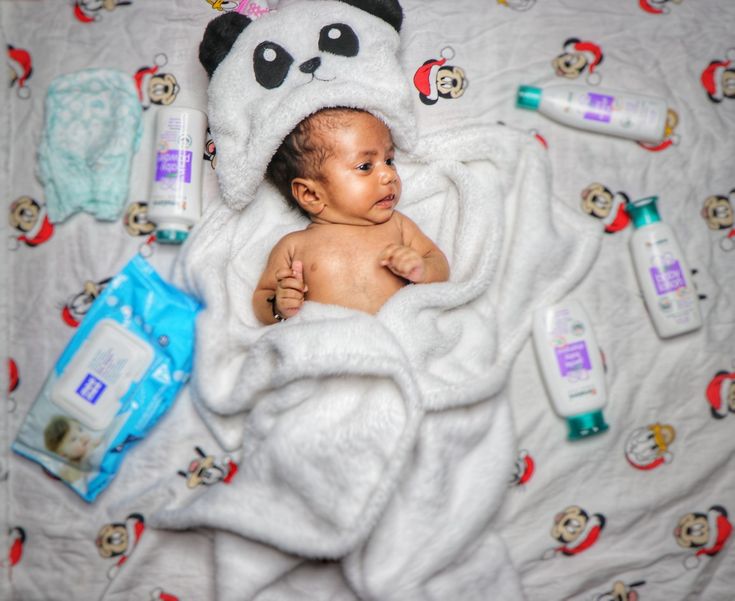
[625,114]
[572,366]
[176,188]
[662,272]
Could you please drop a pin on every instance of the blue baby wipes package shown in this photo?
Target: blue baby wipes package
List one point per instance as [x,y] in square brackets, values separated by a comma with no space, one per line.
[117,376]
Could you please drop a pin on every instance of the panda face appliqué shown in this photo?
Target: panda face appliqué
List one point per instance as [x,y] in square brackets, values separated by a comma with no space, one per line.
[272,62]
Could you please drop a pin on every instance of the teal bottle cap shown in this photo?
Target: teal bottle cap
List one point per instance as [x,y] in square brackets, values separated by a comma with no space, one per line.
[171,236]
[528,97]
[586,424]
[644,211]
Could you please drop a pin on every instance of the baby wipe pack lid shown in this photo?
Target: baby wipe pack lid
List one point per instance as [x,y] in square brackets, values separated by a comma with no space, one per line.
[110,361]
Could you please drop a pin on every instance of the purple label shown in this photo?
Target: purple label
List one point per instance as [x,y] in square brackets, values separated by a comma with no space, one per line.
[600,107]
[173,164]
[572,357]
[91,389]
[669,279]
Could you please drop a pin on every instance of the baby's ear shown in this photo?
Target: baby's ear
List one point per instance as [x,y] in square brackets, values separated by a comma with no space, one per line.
[219,37]
[306,194]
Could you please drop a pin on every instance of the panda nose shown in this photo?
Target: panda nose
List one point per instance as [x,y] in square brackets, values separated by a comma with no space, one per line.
[311,65]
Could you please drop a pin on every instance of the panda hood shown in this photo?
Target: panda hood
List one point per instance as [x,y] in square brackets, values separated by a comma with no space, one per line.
[268,75]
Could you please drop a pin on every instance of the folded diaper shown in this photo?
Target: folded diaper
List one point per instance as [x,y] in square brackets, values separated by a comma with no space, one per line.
[92,129]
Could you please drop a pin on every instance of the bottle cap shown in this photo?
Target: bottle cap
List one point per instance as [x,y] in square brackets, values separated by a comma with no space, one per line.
[171,236]
[583,425]
[528,97]
[643,211]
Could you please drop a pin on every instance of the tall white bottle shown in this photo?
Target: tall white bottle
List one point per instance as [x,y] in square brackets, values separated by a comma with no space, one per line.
[176,187]
[662,272]
[572,366]
[625,114]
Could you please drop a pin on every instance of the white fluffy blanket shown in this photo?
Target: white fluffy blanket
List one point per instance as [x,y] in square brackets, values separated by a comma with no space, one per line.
[385,439]
[381,441]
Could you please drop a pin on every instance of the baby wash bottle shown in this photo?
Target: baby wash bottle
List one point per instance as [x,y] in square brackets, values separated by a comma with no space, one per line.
[176,188]
[662,272]
[572,366]
[626,114]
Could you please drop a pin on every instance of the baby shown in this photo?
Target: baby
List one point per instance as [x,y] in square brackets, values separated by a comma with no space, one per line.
[337,166]
[65,437]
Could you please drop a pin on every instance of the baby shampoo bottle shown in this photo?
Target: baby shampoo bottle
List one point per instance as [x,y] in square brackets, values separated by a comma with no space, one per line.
[662,272]
[572,366]
[615,112]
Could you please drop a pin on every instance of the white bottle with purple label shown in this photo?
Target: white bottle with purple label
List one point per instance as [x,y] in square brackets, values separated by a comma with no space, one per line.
[176,187]
[572,366]
[626,114]
[662,271]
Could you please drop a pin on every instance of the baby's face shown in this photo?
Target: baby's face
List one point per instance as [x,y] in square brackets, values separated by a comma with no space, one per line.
[75,444]
[360,183]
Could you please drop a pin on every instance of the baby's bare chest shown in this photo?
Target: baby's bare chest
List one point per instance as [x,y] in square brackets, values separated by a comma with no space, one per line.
[342,267]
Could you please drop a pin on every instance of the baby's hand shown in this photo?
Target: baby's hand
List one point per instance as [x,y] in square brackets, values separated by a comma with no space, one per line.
[290,289]
[404,261]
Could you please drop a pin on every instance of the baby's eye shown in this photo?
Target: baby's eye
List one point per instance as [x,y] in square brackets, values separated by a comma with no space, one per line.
[365,166]
[391,162]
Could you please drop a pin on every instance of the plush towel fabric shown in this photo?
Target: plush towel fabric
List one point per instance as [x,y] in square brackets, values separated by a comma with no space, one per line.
[383,438]
[381,441]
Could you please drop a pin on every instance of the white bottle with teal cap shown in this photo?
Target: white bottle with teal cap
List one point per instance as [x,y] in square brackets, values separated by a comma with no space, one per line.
[572,366]
[175,203]
[662,272]
[626,114]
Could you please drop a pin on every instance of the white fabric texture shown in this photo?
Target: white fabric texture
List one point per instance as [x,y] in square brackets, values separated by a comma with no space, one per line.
[366,437]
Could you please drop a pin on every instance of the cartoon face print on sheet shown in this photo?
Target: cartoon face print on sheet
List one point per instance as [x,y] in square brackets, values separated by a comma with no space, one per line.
[269,74]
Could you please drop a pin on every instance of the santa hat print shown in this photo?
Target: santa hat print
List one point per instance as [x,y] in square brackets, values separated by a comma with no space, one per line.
[587,539]
[135,526]
[618,219]
[592,52]
[663,436]
[22,65]
[528,467]
[13,378]
[711,77]
[18,539]
[649,7]
[159,595]
[717,393]
[41,231]
[584,541]
[82,14]
[720,529]
[143,75]
[425,77]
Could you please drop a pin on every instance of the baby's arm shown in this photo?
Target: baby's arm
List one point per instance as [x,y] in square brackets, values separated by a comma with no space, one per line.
[281,287]
[417,259]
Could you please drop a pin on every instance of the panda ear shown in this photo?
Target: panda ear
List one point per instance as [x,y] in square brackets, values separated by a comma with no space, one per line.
[219,36]
[388,10]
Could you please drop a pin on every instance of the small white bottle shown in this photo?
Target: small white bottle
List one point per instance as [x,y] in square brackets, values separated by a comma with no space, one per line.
[572,366]
[662,272]
[626,114]
[176,187]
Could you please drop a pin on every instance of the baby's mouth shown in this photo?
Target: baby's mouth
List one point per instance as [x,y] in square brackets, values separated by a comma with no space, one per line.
[386,201]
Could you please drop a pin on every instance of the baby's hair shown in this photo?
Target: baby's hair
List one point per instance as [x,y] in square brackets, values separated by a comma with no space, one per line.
[55,432]
[303,152]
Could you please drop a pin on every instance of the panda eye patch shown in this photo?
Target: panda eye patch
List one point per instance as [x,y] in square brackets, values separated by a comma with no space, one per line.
[271,63]
[339,39]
